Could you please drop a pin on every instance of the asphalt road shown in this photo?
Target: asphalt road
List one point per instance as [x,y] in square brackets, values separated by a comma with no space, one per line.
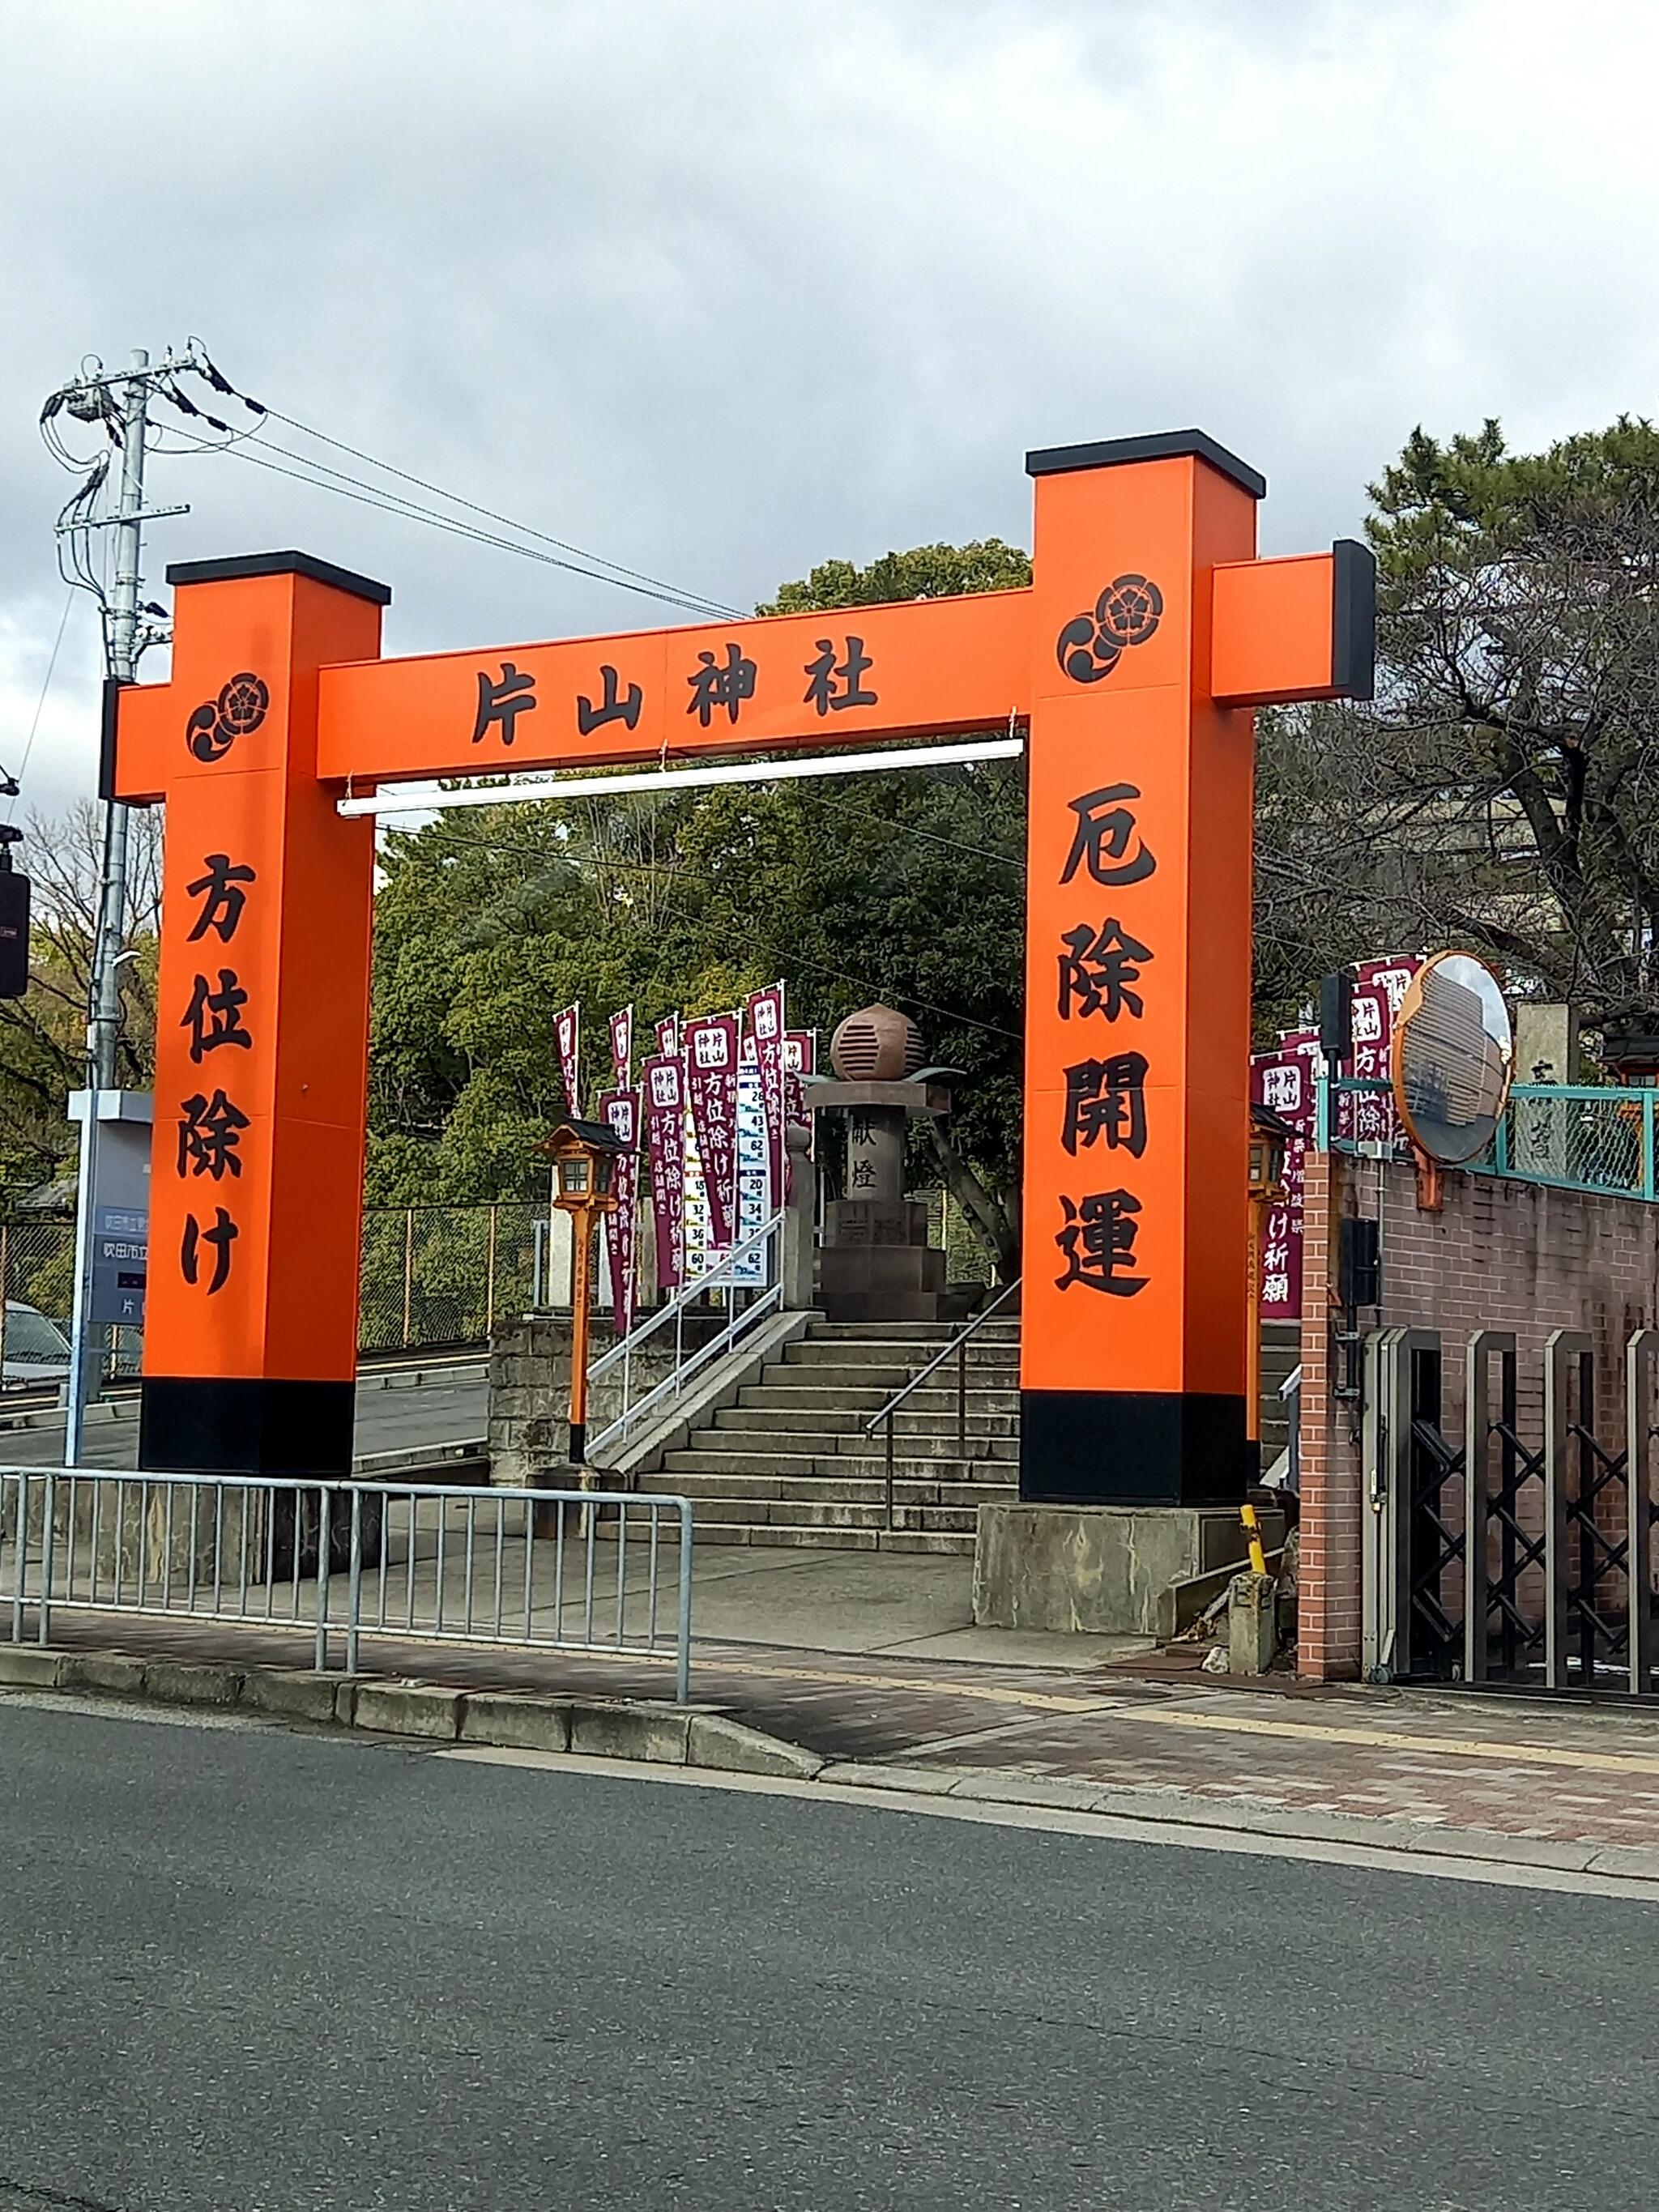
[250,1969]
[399,1419]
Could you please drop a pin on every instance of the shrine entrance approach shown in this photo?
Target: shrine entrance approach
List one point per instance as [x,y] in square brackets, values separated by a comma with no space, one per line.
[1131,665]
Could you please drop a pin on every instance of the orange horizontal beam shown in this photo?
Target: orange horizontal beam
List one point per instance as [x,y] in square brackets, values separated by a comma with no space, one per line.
[921,667]
[1297,629]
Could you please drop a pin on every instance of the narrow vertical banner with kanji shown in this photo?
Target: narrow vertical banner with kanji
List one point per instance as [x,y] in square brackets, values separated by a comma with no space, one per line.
[711,1078]
[568,1035]
[1286,1081]
[668,1035]
[1379,989]
[664,1099]
[800,1059]
[621,1110]
[621,1045]
[764,1012]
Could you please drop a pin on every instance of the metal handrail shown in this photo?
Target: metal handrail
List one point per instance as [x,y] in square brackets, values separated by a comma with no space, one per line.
[768,1298]
[958,1346]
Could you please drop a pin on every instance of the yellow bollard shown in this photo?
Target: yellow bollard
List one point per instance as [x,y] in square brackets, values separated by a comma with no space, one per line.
[1253,1534]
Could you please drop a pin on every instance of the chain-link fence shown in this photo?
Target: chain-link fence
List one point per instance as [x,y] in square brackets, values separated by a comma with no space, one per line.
[1587,1140]
[441,1274]
[431,1275]
[1580,1136]
[37,1276]
[952,1228]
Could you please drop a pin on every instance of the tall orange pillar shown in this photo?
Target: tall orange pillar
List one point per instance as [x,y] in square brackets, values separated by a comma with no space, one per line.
[251,1329]
[1137,983]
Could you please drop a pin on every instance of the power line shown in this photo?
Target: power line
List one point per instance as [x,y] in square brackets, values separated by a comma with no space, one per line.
[594,566]
[1015,860]
[40,704]
[410,511]
[637,576]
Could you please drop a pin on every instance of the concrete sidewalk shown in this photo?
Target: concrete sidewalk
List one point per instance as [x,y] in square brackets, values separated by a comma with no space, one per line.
[891,1705]
[900,1605]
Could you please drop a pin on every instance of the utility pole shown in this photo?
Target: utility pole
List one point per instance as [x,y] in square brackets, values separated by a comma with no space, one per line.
[119,401]
[121,638]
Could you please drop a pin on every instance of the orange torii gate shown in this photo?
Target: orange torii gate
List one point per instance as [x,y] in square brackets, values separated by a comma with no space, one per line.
[1149,633]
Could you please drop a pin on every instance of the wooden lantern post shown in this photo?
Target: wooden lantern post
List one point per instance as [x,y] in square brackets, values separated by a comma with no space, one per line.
[584,1163]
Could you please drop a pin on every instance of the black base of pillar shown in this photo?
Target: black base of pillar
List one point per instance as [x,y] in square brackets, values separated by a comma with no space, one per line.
[220,1425]
[1131,1448]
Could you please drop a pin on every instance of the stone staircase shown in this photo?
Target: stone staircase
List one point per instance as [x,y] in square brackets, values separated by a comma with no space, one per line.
[788,1463]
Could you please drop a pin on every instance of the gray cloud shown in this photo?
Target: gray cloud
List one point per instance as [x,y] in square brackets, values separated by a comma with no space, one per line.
[724,288]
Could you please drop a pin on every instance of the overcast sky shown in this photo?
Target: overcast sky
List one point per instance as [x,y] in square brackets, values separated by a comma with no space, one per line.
[720,288]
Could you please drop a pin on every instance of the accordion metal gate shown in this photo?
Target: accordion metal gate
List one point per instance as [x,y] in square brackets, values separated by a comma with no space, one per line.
[1508,1546]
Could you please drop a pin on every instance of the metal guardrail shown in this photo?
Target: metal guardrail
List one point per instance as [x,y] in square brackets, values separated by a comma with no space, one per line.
[1571,1136]
[957,1350]
[538,1569]
[729,1277]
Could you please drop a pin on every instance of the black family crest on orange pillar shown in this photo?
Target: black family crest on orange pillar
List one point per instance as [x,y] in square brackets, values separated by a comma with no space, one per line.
[241,706]
[1127,613]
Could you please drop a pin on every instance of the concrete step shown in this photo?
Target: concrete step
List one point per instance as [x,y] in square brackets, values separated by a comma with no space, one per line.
[822,1375]
[738,1467]
[720,1488]
[934,1542]
[942,1520]
[876,1352]
[990,1436]
[915,1332]
[760,1521]
[788,1387]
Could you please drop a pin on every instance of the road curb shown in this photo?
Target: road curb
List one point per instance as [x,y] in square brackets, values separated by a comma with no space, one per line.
[641,1731]
[635,1729]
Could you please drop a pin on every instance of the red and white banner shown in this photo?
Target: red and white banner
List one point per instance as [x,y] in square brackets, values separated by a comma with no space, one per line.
[711,1081]
[668,1035]
[665,1133]
[621,1110]
[568,1031]
[765,1018]
[1287,1081]
[1378,987]
[622,1046]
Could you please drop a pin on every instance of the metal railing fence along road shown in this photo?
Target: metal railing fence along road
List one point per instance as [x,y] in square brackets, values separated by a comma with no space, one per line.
[539,1570]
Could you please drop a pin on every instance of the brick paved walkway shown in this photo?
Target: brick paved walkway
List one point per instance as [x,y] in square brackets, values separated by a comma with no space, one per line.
[1562,1773]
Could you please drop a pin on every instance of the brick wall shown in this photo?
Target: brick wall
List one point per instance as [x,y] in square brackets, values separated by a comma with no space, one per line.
[1500,1254]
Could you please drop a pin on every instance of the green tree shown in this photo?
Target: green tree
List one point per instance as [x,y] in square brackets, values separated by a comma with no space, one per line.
[1503,792]
[907,887]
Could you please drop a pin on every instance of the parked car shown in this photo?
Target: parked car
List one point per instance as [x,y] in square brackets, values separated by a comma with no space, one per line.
[37,1350]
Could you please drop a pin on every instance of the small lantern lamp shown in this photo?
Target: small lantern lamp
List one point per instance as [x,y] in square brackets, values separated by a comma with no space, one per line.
[584,1166]
[1270,1137]
[584,1169]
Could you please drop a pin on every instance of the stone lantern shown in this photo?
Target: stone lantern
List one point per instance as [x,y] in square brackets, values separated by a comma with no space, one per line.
[876,1262]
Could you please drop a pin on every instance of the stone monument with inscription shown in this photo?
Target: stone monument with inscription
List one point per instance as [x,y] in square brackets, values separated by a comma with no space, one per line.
[876,1263]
